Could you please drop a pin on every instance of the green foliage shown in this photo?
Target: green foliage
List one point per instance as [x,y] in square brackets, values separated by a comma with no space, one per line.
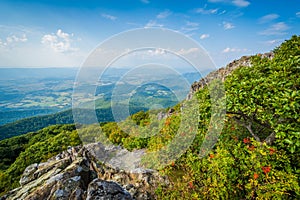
[103,113]
[12,147]
[256,155]
[34,124]
[140,117]
[165,134]
[237,168]
[34,148]
[65,117]
[268,94]
[132,143]
[128,133]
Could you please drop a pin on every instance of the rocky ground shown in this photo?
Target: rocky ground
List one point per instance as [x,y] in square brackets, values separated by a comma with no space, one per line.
[88,172]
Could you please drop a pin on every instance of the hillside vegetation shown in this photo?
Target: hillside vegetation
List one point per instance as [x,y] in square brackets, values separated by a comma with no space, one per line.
[18,152]
[257,154]
[65,117]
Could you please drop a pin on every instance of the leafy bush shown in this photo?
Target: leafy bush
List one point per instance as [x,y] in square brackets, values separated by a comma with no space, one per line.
[257,152]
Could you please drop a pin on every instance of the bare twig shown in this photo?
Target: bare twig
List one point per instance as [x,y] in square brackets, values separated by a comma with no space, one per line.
[248,127]
[271,138]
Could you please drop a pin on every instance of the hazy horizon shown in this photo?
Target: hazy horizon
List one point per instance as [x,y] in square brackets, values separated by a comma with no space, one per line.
[63,33]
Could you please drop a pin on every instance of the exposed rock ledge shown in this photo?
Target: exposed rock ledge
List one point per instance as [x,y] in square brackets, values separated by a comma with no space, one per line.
[223,72]
[88,172]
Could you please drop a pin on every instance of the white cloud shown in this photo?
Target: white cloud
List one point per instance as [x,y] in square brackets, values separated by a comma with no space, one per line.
[189,27]
[268,18]
[110,17]
[205,11]
[13,39]
[276,29]
[298,14]
[273,42]
[238,3]
[145,1]
[241,3]
[223,12]
[233,50]
[59,42]
[153,23]
[204,36]
[187,51]
[157,51]
[226,50]
[164,14]
[227,25]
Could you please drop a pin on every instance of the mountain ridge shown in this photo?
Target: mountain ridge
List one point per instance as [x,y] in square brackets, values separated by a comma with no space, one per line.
[223,72]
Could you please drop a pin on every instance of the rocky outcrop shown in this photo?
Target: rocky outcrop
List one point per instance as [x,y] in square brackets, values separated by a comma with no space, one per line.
[87,172]
[106,190]
[162,115]
[223,72]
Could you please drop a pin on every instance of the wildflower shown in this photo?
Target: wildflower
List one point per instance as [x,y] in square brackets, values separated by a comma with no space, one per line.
[191,185]
[246,140]
[173,164]
[251,148]
[266,169]
[272,151]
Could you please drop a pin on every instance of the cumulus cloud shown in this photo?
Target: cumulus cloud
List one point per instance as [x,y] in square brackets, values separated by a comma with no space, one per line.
[59,42]
[110,17]
[232,50]
[13,39]
[204,36]
[268,18]
[155,52]
[276,29]
[164,14]
[227,25]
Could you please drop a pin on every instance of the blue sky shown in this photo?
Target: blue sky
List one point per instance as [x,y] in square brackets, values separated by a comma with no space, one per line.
[61,33]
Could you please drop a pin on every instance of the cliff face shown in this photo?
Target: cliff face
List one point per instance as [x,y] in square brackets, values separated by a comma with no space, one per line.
[78,174]
[223,72]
